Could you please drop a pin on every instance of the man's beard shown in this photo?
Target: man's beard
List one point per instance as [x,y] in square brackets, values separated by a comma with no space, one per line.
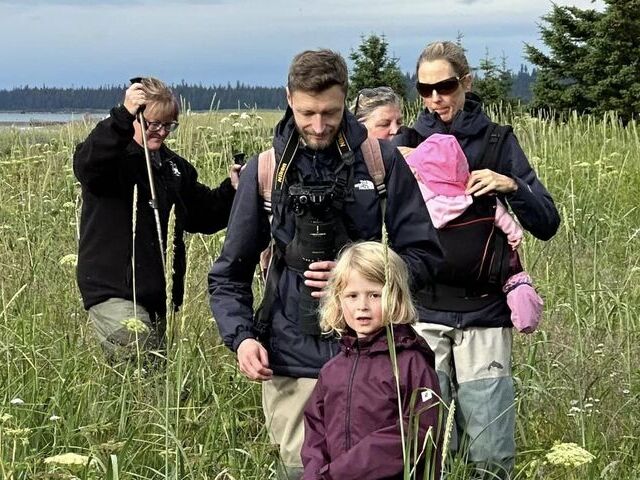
[315,143]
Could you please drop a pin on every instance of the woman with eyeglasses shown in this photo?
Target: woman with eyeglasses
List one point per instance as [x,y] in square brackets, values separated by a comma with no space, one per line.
[468,325]
[120,267]
[380,110]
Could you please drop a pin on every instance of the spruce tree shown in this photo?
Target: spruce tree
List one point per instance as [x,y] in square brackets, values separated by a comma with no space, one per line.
[495,82]
[593,65]
[374,68]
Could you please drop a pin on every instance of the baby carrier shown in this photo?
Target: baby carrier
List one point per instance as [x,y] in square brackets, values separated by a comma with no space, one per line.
[477,256]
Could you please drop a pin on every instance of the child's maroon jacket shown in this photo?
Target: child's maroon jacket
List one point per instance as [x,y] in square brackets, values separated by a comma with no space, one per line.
[351,420]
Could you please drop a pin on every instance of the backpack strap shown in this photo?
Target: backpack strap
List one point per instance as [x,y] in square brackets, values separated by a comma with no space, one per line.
[373,158]
[494,139]
[266,167]
[493,142]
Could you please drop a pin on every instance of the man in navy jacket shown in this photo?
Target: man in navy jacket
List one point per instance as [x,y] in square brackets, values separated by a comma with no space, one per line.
[285,359]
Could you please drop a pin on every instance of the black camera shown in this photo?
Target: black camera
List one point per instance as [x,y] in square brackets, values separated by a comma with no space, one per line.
[314,240]
[314,199]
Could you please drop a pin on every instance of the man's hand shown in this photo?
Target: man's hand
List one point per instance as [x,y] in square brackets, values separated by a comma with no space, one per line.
[486,181]
[134,98]
[318,275]
[253,360]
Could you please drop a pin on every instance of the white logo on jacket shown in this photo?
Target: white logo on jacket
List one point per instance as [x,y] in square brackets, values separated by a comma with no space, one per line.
[174,169]
[364,185]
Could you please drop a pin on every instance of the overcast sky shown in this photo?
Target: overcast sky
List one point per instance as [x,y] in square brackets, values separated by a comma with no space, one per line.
[105,42]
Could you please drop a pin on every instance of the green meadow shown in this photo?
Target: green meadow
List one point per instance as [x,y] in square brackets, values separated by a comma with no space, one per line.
[577,377]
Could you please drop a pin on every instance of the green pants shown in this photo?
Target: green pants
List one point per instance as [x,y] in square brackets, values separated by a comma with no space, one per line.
[125,330]
[474,369]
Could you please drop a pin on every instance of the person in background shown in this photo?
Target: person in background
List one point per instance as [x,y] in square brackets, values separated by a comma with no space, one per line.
[380,110]
[472,338]
[120,269]
[356,396]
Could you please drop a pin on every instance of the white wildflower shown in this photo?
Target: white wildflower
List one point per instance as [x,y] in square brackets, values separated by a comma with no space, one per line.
[69,259]
[72,461]
[569,455]
[135,325]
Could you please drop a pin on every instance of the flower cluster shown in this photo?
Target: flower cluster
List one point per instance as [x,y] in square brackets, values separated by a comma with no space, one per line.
[568,455]
[135,325]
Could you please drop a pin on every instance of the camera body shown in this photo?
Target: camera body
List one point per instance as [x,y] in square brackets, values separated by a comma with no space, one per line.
[315,199]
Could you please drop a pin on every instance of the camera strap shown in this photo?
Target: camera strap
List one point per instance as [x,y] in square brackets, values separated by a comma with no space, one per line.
[280,173]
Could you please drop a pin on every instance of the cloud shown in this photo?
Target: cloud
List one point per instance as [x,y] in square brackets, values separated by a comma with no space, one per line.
[97,42]
[88,3]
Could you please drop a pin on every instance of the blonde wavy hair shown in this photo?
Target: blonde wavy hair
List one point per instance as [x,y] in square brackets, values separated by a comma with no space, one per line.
[378,264]
[162,103]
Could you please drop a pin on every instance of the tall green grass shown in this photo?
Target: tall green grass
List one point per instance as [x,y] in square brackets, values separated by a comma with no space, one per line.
[577,377]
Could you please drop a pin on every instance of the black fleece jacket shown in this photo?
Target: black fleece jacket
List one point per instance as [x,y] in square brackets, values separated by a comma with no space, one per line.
[108,164]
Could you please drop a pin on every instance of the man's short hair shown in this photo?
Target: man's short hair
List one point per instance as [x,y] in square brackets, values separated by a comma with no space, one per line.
[318,70]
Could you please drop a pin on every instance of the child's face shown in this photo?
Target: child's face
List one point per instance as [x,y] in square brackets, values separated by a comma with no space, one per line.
[361,302]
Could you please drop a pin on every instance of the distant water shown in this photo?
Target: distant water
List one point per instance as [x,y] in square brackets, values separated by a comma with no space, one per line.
[35,118]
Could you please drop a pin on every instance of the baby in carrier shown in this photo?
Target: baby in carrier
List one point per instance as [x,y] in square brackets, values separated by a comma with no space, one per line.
[442,171]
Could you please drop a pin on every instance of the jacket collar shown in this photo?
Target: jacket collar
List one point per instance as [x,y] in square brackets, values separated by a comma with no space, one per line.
[469,121]
[404,336]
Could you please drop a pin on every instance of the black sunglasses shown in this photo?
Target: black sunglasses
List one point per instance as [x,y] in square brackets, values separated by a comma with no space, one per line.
[443,87]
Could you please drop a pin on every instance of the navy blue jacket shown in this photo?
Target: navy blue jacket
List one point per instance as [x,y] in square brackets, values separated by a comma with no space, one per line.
[108,164]
[409,227]
[531,202]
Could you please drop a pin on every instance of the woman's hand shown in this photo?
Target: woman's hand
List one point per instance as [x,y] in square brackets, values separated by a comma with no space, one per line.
[134,98]
[234,175]
[486,181]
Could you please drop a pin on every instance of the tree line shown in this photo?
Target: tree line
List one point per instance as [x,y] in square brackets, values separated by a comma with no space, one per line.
[196,97]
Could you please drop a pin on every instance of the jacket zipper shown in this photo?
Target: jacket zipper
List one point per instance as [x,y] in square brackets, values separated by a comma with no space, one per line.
[347,424]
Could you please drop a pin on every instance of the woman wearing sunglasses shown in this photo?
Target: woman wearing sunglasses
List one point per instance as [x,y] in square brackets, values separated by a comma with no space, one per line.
[380,110]
[472,335]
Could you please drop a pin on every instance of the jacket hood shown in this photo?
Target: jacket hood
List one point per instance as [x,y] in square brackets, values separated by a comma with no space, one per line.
[469,121]
[355,132]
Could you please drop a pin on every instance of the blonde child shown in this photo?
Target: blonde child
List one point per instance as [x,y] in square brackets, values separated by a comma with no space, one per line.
[352,428]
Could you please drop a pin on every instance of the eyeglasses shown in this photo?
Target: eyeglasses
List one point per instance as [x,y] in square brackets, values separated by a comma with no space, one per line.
[157,126]
[443,87]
